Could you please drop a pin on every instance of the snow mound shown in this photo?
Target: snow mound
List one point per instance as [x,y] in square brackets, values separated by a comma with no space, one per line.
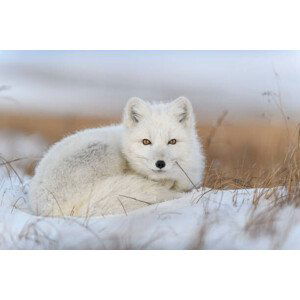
[206,219]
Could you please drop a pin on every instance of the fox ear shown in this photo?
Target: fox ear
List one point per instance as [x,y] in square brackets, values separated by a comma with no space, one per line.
[134,111]
[183,111]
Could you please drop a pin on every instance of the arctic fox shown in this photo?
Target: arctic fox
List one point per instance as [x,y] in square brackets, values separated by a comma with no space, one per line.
[153,156]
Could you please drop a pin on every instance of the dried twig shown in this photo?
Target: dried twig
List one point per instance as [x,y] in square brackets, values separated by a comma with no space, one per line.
[187,176]
[132,198]
[122,206]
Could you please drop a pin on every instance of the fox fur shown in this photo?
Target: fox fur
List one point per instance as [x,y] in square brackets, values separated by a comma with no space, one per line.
[112,170]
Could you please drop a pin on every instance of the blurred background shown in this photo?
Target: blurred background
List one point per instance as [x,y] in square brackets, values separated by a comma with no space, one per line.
[247,103]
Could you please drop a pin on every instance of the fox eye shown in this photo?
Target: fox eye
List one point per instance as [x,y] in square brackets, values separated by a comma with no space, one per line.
[172,142]
[146,142]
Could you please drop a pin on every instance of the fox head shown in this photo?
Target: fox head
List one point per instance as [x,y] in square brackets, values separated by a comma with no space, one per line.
[160,141]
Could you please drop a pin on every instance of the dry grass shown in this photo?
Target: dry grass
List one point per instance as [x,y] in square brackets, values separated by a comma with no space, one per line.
[52,128]
[250,155]
[238,156]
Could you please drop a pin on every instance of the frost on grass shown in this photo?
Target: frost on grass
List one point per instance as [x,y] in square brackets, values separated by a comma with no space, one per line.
[204,219]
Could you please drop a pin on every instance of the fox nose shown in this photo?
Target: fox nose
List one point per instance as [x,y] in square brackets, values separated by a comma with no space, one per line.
[160,164]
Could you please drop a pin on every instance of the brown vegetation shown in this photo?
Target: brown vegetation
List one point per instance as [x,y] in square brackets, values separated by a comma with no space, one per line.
[238,155]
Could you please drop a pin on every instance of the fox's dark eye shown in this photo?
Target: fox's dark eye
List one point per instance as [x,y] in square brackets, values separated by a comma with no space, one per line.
[172,142]
[146,142]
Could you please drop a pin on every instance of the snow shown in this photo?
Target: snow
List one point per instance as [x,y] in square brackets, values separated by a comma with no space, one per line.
[207,219]
[19,149]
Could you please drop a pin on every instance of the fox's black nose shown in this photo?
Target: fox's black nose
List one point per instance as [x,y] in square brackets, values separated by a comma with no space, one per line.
[160,164]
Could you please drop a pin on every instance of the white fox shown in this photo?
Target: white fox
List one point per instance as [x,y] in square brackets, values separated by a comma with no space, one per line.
[153,156]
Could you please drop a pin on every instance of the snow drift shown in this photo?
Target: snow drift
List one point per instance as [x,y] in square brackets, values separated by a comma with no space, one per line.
[206,219]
